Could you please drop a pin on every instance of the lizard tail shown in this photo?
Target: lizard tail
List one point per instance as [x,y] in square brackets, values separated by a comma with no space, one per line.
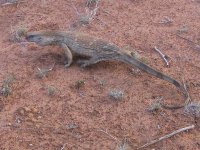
[135,62]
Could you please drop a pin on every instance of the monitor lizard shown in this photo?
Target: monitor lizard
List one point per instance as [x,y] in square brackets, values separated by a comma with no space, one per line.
[92,50]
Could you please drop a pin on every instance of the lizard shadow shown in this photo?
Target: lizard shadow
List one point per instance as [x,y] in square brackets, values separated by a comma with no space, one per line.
[49,57]
[61,60]
[101,65]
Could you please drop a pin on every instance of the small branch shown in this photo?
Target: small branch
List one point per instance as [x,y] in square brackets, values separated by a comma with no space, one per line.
[91,14]
[87,17]
[109,135]
[164,57]
[63,147]
[74,7]
[9,2]
[43,72]
[167,136]
[190,41]
[185,38]
[188,99]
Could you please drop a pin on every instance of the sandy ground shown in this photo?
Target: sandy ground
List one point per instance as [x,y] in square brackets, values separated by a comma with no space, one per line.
[69,108]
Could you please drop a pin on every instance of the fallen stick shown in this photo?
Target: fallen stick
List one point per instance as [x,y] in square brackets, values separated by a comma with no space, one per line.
[167,136]
[9,2]
[186,39]
[164,57]
[43,72]
[188,99]
[105,132]
[197,46]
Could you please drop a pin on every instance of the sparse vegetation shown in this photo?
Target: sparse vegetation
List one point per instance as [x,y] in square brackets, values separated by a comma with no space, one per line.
[193,109]
[116,94]
[51,90]
[155,106]
[18,34]
[90,12]
[144,60]
[122,145]
[182,29]
[91,3]
[166,20]
[21,32]
[137,56]
[6,89]
[79,84]
[102,83]
[41,73]
[71,126]
[88,17]
[135,71]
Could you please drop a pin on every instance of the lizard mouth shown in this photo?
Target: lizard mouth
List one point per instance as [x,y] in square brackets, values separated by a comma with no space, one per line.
[36,39]
[40,39]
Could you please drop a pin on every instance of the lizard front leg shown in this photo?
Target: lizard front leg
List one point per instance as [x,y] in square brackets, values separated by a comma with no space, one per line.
[68,54]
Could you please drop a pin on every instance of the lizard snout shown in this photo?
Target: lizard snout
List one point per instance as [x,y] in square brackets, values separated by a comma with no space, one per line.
[32,38]
[36,39]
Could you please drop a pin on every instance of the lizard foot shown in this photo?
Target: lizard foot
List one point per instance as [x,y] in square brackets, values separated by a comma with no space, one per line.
[67,65]
[83,63]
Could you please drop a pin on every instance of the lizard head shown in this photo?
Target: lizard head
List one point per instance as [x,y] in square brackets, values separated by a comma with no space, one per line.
[40,38]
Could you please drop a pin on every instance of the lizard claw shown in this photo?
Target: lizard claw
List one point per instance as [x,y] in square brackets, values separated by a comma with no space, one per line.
[67,65]
[82,63]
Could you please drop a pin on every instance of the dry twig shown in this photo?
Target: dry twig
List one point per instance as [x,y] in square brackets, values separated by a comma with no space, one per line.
[164,57]
[197,46]
[43,72]
[88,16]
[8,2]
[121,145]
[185,39]
[187,95]
[109,135]
[167,136]
[63,147]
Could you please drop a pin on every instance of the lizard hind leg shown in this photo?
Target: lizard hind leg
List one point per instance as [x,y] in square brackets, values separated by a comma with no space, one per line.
[68,54]
[85,63]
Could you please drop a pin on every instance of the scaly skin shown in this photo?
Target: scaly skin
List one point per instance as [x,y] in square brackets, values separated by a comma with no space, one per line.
[92,49]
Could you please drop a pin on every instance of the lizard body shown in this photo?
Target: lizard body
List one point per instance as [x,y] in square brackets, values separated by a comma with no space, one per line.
[93,50]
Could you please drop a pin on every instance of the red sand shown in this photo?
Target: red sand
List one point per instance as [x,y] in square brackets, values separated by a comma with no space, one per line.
[71,118]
